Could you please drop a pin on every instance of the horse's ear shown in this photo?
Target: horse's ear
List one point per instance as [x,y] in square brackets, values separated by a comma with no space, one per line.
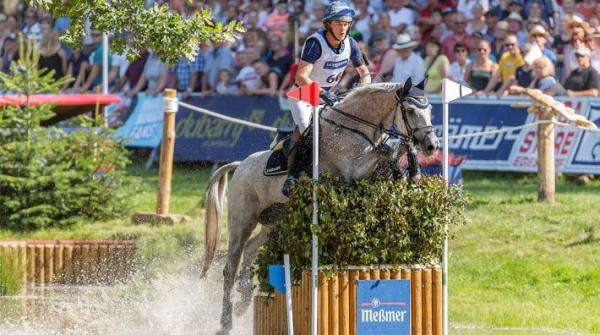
[422,84]
[403,91]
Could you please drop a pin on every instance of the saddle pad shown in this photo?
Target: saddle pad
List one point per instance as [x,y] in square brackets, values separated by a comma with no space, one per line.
[277,163]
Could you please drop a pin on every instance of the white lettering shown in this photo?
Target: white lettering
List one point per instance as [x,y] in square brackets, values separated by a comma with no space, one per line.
[369,315]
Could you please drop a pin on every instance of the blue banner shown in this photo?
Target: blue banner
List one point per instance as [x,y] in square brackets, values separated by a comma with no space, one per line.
[383,307]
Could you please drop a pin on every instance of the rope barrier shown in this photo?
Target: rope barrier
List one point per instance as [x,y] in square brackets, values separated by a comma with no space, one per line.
[227,118]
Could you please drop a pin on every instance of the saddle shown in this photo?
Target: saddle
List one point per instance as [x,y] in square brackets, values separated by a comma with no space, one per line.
[277,162]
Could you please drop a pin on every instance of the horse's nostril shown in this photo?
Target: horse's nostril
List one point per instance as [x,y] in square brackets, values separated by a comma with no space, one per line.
[430,147]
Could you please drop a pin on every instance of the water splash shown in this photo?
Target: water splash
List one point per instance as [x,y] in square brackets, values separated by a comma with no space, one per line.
[169,304]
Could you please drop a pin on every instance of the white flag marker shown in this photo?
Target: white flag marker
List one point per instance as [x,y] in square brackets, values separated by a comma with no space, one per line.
[450,91]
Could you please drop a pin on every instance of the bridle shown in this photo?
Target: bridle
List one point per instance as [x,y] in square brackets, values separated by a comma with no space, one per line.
[392,131]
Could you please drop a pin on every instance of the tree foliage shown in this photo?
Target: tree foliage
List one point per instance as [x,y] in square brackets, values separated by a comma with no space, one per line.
[168,34]
[48,176]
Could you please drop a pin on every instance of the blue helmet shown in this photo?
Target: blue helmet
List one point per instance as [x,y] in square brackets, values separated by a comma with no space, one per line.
[339,11]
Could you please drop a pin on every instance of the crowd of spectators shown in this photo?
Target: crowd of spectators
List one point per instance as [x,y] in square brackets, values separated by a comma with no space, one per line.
[497,47]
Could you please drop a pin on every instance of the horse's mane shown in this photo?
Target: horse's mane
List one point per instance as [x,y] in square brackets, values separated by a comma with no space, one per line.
[361,92]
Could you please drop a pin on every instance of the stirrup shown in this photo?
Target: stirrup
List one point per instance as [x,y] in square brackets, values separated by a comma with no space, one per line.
[288,184]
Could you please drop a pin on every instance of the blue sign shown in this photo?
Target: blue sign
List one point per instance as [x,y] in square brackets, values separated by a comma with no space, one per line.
[383,307]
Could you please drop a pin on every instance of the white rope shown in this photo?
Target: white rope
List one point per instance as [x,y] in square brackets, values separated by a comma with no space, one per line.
[227,118]
[170,104]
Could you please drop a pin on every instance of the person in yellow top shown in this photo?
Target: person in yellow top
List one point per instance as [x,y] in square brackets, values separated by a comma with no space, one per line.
[436,65]
[507,66]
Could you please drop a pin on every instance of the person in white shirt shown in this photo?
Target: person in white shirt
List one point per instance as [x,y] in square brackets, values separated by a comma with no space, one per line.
[457,68]
[409,65]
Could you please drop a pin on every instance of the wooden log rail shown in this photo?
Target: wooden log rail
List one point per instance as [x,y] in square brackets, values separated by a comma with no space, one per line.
[72,261]
[337,302]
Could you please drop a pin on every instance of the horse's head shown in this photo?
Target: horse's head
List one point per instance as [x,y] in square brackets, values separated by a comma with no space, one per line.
[415,116]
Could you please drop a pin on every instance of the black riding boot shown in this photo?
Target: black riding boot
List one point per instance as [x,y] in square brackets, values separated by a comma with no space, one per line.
[414,170]
[298,159]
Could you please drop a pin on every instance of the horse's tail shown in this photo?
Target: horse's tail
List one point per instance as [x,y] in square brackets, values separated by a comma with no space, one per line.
[213,212]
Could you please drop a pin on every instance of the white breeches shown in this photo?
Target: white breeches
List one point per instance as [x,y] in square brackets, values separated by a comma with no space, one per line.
[301,113]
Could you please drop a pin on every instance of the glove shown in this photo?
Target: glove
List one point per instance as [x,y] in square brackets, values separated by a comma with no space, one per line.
[329,98]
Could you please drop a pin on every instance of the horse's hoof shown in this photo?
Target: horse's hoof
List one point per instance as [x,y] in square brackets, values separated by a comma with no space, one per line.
[288,185]
[241,308]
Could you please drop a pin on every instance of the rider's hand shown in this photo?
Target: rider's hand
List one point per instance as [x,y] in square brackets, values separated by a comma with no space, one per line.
[329,98]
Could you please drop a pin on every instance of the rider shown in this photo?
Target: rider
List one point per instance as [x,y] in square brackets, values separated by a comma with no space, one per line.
[325,56]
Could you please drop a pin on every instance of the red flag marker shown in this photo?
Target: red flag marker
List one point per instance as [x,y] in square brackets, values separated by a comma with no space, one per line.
[307,93]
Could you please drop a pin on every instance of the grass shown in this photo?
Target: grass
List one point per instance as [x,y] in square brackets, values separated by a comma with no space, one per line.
[517,263]
[520,263]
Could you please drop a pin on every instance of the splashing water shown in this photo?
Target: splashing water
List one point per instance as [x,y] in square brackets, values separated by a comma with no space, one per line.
[169,304]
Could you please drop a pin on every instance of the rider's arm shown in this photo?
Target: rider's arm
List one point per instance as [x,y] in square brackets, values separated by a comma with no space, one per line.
[359,62]
[304,70]
[365,75]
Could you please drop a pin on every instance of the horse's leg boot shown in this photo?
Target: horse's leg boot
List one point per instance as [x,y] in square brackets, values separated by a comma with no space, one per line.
[414,170]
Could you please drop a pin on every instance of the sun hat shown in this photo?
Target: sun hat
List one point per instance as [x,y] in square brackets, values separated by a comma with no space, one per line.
[515,16]
[576,19]
[538,30]
[582,51]
[404,41]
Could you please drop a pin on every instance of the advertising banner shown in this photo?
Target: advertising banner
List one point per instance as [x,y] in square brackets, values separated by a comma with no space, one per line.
[383,307]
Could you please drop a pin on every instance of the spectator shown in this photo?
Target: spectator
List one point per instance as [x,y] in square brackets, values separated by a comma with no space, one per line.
[507,66]
[225,83]
[153,78]
[409,64]
[474,45]
[500,35]
[270,80]
[220,57]
[279,58]
[539,36]
[570,62]
[476,24]
[595,48]
[277,21]
[314,20]
[31,26]
[94,78]
[448,18]
[543,79]
[385,25]
[52,56]
[465,7]
[587,9]
[78,68]
[583,81]
[365,20]
[133,73]
[187,73]
[491,19]
[458,34]
[457,69]
[10,52]
[516,27]
[536,11]
[400,15]
[247,76]
[430,19]
[436,66]
[479,73]
[384,57]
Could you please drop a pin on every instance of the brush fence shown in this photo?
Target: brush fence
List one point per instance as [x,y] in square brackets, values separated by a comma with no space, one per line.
[72,261]
[337,302]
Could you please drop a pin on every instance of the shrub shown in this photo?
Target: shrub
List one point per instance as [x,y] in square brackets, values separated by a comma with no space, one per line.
[364,223]
[50,177]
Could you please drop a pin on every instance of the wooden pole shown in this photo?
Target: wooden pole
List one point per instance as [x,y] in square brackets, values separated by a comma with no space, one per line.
[167,147]
[165,169]
[546,167]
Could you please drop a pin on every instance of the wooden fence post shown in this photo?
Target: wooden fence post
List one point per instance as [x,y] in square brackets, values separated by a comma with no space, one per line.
[546,167]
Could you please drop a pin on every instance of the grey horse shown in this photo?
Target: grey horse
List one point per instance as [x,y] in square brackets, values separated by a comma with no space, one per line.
[352,131]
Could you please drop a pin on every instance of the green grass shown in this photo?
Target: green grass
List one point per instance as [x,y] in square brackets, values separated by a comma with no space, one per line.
[521,263]
[517,263]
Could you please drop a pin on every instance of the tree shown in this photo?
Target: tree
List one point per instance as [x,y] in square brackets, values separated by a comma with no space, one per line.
[168,34]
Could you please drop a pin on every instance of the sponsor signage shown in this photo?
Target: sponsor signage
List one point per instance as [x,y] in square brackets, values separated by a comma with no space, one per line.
[383,307]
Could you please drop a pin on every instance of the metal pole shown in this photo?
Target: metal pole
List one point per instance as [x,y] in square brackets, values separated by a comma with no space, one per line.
[288,293]
[105,72]
[445,255]
[315,242]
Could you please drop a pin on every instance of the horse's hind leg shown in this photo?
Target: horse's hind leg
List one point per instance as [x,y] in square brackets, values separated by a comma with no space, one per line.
[239,232]
[245,281]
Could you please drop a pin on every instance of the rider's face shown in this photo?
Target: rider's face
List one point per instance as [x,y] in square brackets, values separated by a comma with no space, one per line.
[340,28]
